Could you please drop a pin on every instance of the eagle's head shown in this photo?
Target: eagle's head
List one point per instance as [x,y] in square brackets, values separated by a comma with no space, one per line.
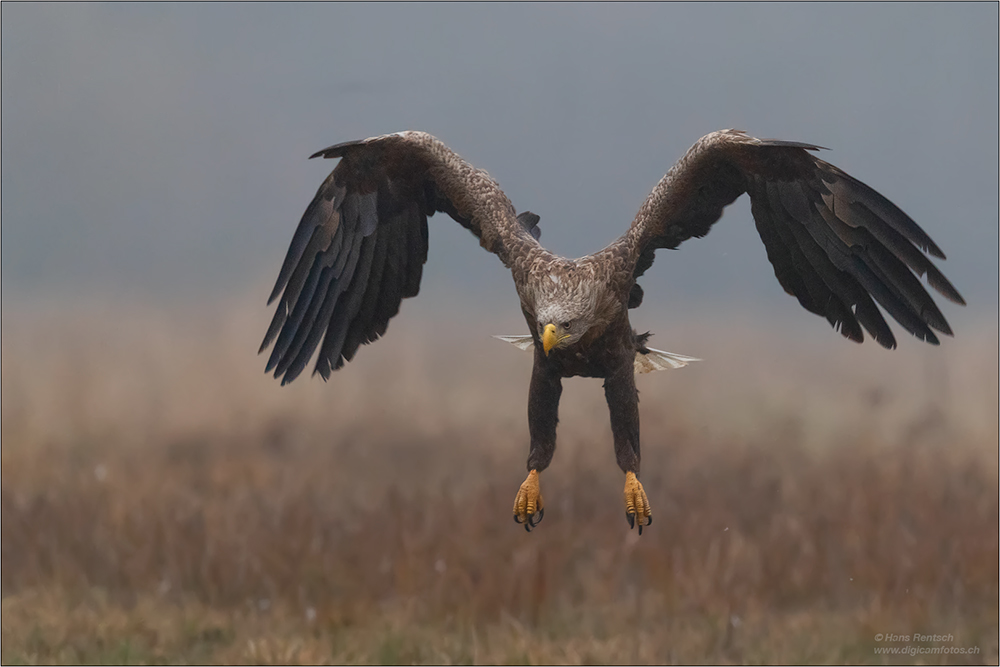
[568,304]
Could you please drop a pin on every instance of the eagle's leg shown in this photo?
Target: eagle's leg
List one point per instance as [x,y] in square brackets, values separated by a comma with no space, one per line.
[543,416]
[623,404]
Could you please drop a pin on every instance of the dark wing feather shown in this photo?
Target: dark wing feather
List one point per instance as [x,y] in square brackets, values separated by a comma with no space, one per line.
[529,221]
[835,244]
[360,247]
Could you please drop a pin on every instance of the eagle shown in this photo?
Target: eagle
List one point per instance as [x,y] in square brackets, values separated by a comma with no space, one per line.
[836,245]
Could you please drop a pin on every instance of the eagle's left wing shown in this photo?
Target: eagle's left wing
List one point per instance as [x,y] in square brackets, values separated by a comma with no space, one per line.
[835,244]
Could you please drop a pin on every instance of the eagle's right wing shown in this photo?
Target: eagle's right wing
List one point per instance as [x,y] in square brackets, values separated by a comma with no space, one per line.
[362,242]
[835,243]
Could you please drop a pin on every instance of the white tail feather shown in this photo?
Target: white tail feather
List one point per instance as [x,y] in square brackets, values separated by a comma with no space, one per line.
[520,342]
[655,360]
[658,360]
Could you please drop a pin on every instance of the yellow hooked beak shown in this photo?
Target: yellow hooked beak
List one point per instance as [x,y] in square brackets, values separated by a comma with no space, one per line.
[551,337]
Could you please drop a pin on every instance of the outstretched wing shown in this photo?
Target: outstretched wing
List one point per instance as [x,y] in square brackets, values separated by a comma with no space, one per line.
[362,242]
[835,244]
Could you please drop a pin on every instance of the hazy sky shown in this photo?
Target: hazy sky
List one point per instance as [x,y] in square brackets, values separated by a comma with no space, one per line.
[161,148]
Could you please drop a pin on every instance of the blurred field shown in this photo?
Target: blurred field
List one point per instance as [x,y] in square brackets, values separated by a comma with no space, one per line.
[164,501]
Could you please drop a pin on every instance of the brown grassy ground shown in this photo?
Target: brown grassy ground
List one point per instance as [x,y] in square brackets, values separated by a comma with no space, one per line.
[162,501]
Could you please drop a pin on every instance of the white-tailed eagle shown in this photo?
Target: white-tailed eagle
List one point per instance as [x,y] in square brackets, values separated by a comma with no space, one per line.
[836,245]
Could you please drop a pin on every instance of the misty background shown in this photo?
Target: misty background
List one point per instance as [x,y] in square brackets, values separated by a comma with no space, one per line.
[158,151]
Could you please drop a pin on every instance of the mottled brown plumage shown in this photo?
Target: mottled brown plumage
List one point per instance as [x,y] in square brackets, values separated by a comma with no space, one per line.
[835,244]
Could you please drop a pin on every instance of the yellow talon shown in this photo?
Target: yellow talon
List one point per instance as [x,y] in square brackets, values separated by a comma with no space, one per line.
[528,506]
[637,509]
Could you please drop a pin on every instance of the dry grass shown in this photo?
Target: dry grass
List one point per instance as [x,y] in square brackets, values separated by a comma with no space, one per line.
[164,502]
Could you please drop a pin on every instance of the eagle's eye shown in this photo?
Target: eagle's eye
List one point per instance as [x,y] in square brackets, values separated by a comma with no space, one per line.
[565,325]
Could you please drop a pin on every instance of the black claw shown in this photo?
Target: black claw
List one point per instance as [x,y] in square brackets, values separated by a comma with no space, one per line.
[631,520]
[537,518]
[649,520]
[640,529]
[527,526]
[517,519]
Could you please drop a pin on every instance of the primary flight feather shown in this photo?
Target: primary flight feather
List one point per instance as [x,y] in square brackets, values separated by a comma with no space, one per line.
[835,244]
